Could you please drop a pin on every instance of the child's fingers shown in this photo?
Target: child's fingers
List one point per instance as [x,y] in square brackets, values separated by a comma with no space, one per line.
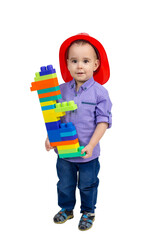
[47,149]
[53,147]
[47,145]
[87,153]
[86,156]
[83,150]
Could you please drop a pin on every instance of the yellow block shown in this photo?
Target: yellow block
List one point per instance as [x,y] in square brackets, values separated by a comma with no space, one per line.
[51,115]
[68,146]
[47,103]
[60,114]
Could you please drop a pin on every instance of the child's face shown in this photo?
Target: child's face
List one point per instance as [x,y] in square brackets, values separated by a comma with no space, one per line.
[82,62]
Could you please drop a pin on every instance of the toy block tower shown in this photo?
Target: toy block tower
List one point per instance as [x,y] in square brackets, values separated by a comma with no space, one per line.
[61,135]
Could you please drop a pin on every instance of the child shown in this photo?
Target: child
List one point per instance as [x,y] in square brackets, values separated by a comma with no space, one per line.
[84,67]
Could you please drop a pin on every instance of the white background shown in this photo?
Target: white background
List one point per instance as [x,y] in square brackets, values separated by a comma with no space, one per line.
[129,194]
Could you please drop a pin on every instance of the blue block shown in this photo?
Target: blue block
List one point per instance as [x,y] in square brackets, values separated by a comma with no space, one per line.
[69,138]
[48,107]
[67,127]
[67,134]
[47,70]
[54,135]
[53,125]
[47,90]
[53,98]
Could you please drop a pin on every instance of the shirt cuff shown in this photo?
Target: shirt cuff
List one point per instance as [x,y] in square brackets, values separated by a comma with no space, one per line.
[104,119]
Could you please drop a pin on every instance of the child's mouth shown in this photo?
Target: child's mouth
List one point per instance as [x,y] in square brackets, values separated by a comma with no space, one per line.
[80,73]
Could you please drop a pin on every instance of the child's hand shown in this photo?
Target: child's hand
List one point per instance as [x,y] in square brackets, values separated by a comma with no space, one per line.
[88,149]
[47,145]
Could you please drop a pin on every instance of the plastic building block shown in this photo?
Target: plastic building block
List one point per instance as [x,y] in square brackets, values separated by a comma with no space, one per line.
[48,107]
[70,150]
[75,154]
[65,106]
[67,127]
[67,134]
[52,125]
[44,84]
[50,98]
[54,136]
[45,77]
[61,135]
[64,130]
[50,94]
[47,70]
[47,103]
[71,146]
[50,119]
[47,90]
[51,115]
[69,138]
[65,143]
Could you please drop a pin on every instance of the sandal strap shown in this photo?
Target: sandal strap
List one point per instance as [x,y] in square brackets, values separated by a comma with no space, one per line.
[62,215]
[86,219]
[85,223]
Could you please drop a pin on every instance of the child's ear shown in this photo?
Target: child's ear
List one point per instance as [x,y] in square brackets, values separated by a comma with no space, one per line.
[96,65]
[68,63]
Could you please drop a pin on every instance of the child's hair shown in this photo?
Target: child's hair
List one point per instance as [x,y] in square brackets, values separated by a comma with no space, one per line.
[82,42]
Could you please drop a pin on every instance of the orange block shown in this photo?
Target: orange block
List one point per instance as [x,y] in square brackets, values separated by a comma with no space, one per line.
[50,94]
[64,143]
[53,82]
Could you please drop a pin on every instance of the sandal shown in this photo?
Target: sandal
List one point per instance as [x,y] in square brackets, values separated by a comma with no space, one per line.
[62,216]
[86,221]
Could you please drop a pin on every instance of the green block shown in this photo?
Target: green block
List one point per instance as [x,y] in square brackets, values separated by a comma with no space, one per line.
[65,106]
[47,90]
[75,154]
[73,150]
[52,98]
[45,77]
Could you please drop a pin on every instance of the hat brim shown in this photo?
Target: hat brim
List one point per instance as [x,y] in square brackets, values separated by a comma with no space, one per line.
[103,72]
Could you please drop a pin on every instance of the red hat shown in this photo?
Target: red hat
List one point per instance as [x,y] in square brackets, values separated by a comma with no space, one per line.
[101,75]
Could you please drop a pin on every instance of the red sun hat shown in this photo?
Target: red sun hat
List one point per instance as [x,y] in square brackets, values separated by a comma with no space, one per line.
[101,75]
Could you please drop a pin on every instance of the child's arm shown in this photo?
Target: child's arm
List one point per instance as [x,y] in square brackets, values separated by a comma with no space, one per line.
[97,135]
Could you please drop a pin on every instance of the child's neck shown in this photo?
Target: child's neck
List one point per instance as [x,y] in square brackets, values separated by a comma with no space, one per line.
[78,85]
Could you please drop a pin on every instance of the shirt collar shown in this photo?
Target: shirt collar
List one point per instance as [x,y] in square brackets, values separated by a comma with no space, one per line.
[85,85]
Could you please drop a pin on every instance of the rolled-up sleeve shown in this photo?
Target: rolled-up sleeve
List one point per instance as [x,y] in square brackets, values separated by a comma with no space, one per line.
[103,109]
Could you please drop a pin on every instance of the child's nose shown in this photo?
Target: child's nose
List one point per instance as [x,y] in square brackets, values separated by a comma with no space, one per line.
[79,65]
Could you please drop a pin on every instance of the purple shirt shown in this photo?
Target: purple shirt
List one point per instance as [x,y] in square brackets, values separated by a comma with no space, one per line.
[94,106]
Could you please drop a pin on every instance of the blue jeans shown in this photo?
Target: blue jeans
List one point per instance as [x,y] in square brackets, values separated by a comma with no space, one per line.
[85,175]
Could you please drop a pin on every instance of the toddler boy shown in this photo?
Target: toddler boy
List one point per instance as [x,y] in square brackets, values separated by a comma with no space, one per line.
[84,67]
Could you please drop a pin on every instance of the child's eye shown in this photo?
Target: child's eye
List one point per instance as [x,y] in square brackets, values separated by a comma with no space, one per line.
[74,61]
[86,61]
